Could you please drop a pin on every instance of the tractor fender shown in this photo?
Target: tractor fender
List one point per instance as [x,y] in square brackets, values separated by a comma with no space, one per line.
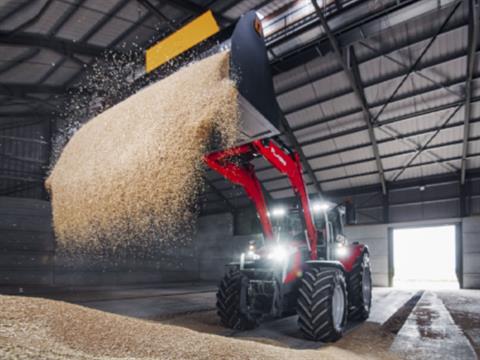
[355,251]
[321,264]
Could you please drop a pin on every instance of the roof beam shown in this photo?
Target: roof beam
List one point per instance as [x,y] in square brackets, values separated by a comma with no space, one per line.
[381,79]
[33,19]
[391,137]
[425,145]
[378,124]
[27,55]
[159,14]
[453,158]
[90,33]
[194,8]
[388,156]
[417,71]
[472,43]
[131,29]
[370,24]
[19,8]
[186,5]
[52,70]
[431,180]
[25,114]
[19,90]
[65,17]
[61,46]
[355,82]
[417,61]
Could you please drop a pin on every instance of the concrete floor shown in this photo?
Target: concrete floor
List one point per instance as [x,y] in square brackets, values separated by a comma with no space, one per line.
[442,324]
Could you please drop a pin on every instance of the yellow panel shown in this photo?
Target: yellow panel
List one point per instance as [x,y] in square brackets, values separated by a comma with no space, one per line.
[183,39]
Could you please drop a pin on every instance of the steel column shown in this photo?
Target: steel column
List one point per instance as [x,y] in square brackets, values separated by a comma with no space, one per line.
[472,44]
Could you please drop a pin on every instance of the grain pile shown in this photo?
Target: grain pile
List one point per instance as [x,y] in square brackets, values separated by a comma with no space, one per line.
[131,174]
[44,329]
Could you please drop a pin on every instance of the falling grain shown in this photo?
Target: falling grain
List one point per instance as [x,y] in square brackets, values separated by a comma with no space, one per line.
[131,174]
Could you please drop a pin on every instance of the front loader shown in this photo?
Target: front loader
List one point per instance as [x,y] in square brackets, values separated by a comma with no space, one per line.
[311,270]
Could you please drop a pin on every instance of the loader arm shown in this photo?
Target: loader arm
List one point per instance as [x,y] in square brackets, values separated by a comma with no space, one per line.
[234,164]
[243,174]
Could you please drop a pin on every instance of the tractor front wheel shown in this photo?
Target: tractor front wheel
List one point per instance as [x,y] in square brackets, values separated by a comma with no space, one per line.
[360,289]
[322,304]
[228,302]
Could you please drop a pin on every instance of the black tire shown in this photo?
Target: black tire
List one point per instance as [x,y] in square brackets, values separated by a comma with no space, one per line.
[315,304]
[228,302]
[360,289]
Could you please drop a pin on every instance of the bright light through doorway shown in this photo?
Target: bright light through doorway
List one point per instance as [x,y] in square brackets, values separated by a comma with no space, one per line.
[425,258]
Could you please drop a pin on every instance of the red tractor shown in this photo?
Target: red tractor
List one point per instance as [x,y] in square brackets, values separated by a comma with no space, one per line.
[313,272]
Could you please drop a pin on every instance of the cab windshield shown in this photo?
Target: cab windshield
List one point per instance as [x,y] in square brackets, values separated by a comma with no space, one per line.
[290,226]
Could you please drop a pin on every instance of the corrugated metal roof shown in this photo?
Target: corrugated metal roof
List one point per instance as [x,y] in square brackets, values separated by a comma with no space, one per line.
[8,53]
[109,32]
[326,175]
[80,23]
[474,162]
[316,68]
[9,5]
[31,70]
[49,18]
[19,17]
[474,147]
[327,128]
[363,180]
[103,6]
[64,73]
[242,7]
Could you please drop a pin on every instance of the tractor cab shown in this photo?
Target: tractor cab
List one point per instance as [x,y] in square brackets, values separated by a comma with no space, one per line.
[329,219]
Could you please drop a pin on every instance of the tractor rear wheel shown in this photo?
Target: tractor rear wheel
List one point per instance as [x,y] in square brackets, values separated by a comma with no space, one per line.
[322,304]
[360,289]
[228,302]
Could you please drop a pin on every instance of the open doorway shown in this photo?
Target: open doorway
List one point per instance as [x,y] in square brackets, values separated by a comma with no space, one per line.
[424,257]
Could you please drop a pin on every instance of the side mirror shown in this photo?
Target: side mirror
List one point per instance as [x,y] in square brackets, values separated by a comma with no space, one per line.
[350,213]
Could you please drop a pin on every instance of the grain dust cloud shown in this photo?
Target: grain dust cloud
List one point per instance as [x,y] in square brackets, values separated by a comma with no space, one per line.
[130,176]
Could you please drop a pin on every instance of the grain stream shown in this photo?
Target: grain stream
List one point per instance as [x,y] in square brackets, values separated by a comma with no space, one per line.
[131,175]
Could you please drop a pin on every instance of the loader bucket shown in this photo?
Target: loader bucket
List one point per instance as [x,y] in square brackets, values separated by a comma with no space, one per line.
[249,67]
[259,111]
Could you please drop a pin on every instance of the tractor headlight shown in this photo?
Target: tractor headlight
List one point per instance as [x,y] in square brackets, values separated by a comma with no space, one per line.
[341,251]
[279,253]
[252,256]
